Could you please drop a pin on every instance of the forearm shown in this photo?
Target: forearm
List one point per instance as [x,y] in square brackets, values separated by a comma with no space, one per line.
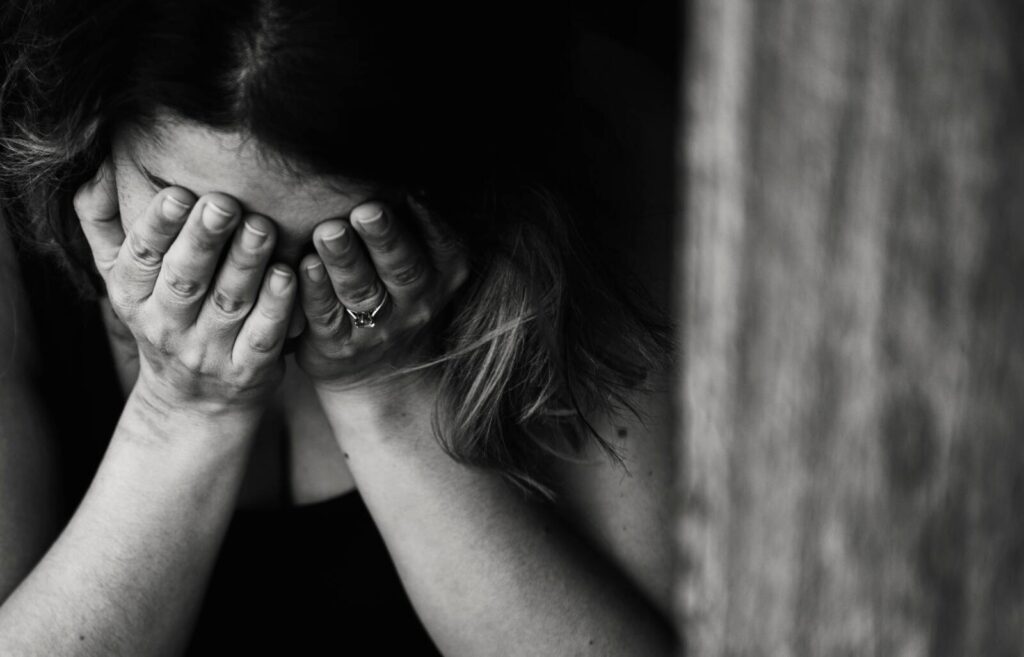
[127,574]
[488,571]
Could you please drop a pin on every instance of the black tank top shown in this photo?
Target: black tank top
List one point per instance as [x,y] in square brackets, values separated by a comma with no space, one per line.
[299,580]
[307,580]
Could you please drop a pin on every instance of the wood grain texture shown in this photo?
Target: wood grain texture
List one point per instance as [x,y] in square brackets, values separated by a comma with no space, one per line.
[852,387]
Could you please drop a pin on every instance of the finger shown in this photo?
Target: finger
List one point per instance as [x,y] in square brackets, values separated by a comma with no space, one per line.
[351,272]
[96,205]
[148,240]
[264,330]
[326,318]
[192,259]
[238,282]
[396,255]
[446,251]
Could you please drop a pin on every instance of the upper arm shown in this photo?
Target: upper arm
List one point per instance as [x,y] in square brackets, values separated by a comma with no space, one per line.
[625,510]
[28,515]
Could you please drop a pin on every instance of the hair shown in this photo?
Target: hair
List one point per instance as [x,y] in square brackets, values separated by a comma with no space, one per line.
[477,123]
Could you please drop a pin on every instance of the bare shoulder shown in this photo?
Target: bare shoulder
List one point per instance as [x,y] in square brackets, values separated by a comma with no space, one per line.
[624,506]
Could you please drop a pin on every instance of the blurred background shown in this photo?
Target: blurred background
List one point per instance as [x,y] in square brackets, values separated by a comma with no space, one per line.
[849,260]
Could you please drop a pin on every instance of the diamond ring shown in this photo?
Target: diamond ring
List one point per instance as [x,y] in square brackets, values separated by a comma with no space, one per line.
[367,319]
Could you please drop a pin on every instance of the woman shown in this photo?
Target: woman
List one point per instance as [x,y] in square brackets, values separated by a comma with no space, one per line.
[336,240]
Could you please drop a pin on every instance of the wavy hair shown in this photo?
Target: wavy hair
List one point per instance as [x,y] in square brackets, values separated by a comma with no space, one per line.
[479,123]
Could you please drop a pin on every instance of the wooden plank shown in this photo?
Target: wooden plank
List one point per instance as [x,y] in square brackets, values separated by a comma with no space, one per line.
[852,387]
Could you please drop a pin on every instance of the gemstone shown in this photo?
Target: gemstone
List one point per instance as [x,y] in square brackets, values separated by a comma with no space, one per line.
[363,320]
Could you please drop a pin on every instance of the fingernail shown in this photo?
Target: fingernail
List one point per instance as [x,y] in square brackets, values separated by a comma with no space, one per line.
[252,237]
[216,217]
[316,271]
[279,280]
[335,242]
[374,224]
[173,208]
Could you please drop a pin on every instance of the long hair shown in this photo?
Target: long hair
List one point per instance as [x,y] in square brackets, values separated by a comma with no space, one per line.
[477,123]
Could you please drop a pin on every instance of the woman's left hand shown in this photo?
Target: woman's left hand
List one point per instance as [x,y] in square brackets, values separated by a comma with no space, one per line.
[371,292]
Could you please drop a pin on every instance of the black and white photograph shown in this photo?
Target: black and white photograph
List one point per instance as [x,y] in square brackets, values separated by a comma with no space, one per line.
[533,329]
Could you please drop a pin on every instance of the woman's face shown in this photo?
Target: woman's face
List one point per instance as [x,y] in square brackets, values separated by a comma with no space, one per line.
[201,160]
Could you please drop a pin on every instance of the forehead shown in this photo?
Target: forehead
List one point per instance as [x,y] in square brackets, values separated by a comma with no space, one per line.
[203,160]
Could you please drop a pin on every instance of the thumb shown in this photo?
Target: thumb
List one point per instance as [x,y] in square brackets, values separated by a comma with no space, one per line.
[96,205]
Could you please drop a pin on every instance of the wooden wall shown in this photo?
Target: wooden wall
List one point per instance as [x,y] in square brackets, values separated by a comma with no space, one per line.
[851,258]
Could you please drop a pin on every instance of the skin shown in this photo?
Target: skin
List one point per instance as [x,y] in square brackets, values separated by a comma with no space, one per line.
[193,158]
[302,208]
[488,570]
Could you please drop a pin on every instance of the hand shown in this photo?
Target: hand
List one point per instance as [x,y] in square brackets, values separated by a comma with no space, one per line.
[360,263]
[209,338]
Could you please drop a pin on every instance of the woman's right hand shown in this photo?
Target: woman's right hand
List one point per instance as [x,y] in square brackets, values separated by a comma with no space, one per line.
[209,337]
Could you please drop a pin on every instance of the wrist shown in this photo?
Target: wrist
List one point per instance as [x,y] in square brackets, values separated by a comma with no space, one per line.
[383,410]
[149,418]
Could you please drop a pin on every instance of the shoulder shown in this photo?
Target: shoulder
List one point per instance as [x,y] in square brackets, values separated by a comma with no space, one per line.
[623,505]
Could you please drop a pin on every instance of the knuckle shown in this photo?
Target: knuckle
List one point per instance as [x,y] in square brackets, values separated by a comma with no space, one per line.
[120,301]
[262,342]
[227,303]
[240,372]
[160,339]
[183,287]
[346,263]
[364,294]
[202,241]
[327,315]
[151,336]
[419,315]
[192,359]
[245,376]
[408,273]
[273,313]
[142,253]
[386,242]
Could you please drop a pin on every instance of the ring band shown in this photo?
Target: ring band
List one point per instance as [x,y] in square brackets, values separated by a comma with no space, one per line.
[361,319]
